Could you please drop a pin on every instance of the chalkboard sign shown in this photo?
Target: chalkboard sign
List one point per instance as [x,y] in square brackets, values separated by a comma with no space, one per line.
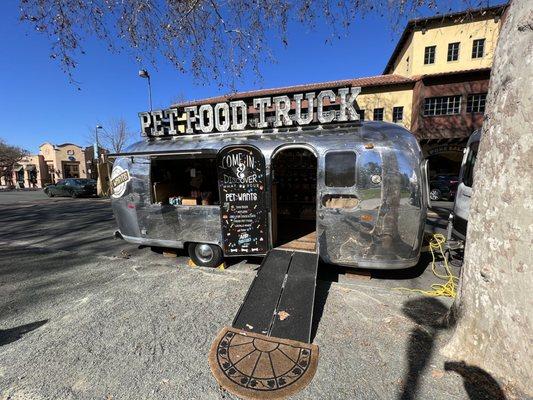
[241,181]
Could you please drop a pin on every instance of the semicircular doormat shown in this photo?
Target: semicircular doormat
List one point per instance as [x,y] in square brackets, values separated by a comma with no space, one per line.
[254,366]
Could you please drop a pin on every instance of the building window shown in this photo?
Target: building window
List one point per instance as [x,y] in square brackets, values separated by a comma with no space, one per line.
[475,103]
[378,114]
[429,55]
[453,51]
[361,114]
[445,105]
[397,114]
[478,48]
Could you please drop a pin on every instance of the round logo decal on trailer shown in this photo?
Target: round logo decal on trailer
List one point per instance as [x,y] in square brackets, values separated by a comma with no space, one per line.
[119,180]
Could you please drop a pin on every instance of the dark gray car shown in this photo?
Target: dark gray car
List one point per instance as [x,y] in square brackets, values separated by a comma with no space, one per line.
[73,187]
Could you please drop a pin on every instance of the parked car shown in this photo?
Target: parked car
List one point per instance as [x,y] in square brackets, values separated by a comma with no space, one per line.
[443,187]
[461,206]
[73,187]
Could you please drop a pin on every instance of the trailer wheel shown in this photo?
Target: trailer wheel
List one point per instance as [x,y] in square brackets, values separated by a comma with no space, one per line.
[205,255]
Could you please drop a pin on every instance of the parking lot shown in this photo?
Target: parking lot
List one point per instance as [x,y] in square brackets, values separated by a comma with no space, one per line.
[87,316]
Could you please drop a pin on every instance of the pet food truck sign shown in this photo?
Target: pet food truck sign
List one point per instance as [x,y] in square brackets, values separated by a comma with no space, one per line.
[263,112]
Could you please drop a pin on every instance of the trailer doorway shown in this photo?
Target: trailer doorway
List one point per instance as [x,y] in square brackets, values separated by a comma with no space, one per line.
[294,178]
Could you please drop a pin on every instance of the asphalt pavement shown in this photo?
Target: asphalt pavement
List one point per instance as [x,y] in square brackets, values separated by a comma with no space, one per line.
[16,196]
[87,316]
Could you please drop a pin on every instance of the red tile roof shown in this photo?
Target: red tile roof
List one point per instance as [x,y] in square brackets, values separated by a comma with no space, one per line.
[451,73]
[380,80]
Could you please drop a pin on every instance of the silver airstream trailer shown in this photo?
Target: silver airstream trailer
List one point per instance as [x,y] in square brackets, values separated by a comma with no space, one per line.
[353,192]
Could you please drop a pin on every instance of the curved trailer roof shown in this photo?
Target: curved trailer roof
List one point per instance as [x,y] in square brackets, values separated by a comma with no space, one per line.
[318,137]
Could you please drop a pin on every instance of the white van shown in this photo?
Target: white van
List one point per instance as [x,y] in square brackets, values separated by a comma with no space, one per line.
[461,206]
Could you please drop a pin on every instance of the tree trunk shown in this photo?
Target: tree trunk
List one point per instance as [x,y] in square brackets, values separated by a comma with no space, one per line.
[495,303]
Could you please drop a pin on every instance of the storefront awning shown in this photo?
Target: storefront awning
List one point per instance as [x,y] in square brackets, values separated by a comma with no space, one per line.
[30,167]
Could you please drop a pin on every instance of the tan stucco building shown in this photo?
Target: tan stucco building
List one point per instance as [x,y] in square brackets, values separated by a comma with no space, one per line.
[447,43]
[450,57]
[66,160]
[54,162]
[28,172]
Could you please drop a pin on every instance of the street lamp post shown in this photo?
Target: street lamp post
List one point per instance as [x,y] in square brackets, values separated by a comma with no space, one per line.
[96,155]
[96,144]
[144,74]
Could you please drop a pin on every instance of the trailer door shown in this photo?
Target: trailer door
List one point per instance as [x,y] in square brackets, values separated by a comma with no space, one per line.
[243,205]
[337,204]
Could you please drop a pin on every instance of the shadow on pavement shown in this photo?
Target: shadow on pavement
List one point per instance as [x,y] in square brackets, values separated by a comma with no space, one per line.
[12,335]
[436,225]
[431,317]
[321,294]
[61,224]
[429,313]
[443,212]
[479,385]
[406,273]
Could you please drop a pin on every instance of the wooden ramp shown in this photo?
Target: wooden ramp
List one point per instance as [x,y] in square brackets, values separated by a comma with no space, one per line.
[267,353]
[305,243]
[281,298]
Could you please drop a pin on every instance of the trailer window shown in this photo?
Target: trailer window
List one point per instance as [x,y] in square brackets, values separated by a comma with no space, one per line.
[340,169]
[185,181]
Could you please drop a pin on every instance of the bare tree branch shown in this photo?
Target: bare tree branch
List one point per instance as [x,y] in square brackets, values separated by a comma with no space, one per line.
[9,156]
[114,136]
[212,39]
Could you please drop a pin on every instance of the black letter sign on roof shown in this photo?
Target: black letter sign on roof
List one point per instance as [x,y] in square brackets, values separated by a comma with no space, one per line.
[243,211]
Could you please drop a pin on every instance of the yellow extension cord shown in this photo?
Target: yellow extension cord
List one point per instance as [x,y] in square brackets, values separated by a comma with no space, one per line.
[448,289]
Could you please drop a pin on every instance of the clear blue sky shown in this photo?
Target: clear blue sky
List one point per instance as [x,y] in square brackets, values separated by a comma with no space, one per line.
[39,104]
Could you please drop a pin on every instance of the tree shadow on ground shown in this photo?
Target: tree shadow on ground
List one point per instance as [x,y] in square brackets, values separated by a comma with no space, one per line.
[432,317]
[12,335]
[36,277]
[429,313]
[64,225]
[479,385]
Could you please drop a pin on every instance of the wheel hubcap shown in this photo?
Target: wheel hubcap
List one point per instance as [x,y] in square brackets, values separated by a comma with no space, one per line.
[204,252]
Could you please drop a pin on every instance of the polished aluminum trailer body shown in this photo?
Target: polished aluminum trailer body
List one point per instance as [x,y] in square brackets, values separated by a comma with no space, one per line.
[383,230]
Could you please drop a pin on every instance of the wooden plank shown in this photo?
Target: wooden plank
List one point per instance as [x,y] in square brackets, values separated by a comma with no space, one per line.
[309,238]
[170,253]
[258,307]
[298,246]
[358,274]
[294,314]
[307,242]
